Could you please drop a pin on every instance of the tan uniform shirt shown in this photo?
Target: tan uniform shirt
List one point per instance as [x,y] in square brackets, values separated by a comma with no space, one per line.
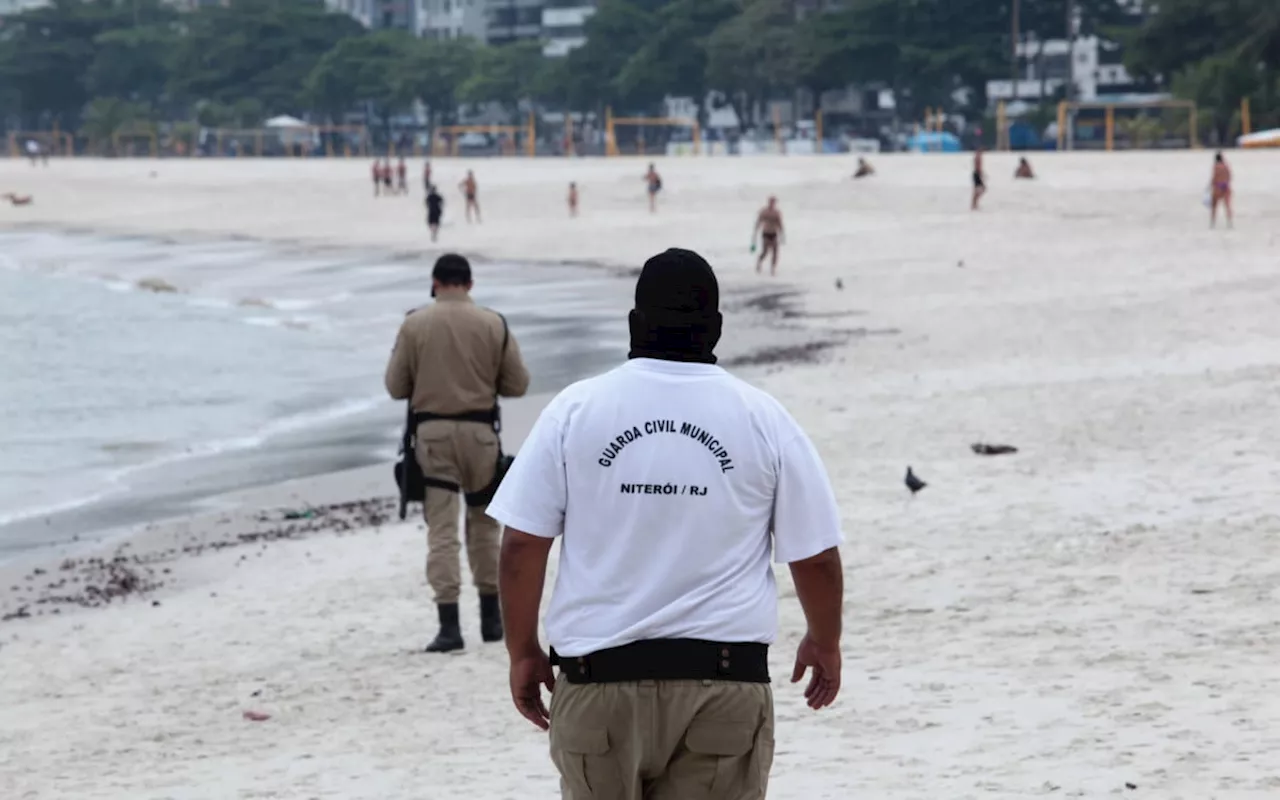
[449,357]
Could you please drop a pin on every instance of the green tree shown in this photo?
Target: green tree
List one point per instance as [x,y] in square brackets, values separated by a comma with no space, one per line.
[108,118]
[752,55]
[361,70]
[433,72]
[132,63]
[504,75]
[586,80]
[254,49]
[47,53]
[673,59]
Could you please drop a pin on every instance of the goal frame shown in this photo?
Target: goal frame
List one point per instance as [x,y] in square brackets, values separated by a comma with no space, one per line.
[1067,108]
[18,138]
[611,122]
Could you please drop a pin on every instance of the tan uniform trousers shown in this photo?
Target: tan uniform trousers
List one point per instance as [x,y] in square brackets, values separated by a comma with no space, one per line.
[662,740]
[464,453]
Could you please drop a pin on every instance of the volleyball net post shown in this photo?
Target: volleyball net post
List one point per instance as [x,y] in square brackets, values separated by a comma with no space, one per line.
[53,142]
[1246,117]
[1069,110]
[611,124]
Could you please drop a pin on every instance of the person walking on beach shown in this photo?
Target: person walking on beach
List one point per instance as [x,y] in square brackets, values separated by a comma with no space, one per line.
[1220,192]
[979,180]
[452,360]
[427,185]
[769,226]
[653,183]
[573,199]
[386,175]
[377,178]
[669,483]
[402,177]
[435,211]
[470,189]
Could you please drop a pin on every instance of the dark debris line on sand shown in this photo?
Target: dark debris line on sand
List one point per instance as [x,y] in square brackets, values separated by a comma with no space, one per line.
[94,582]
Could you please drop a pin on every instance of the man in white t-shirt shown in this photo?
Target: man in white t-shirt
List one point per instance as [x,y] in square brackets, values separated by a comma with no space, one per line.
[670,482]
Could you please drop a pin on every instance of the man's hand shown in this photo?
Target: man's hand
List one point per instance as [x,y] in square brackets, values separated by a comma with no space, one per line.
[824,684]
[529,673]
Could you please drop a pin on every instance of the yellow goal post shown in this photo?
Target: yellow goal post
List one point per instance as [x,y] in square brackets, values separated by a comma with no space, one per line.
[514,139]
[55,143]
[611,124]
[1068,110]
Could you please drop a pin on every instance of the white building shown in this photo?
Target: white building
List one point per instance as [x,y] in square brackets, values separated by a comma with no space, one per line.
[1092,66]
[380,13]
[563,23]
[452,19]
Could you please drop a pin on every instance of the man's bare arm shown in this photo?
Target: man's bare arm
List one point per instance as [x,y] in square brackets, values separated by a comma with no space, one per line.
[820,587]
[521,575]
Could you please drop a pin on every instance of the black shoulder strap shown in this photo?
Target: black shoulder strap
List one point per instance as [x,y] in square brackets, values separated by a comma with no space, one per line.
[502,356]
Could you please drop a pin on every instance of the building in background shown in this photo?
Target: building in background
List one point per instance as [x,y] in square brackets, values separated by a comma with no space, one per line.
[381,14]
[563,23]
[510,21]
[1086,69]
[452,19]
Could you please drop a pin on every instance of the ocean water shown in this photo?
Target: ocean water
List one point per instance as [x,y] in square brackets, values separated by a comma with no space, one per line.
[119,404]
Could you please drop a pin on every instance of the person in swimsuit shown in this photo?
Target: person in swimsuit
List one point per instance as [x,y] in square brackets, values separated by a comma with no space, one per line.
[1024,171]
[435,210]
[573,199]
[377,178]
[470,188]
[386,175]
[654,182]
[426,176]
[864,169]
[17,200]
[402,177]
[1220,185]
[979,181]
[769,226]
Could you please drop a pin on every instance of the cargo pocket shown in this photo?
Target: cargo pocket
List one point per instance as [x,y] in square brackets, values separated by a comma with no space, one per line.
[586,765]
[727,747]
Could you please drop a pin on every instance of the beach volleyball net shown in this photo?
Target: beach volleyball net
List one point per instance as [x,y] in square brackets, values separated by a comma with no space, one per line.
[1158,125]
[649,135]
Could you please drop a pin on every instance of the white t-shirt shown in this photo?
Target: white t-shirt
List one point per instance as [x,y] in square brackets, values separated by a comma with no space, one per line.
[666,481]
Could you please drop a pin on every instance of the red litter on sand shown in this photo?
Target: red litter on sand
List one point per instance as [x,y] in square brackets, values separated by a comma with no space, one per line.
[256,716]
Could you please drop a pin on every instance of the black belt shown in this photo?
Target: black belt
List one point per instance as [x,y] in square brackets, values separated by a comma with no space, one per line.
[487,417]
[669,660]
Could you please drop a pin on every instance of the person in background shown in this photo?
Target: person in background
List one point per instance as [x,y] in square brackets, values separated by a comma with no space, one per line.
[386,176]
[864,169]
[377,177]
[979,180]
[769,226]
[452,360]
[435,211]
[573,199]
[471,190]
[669,484]
[1024,171]
[427,185]
[1220,192]
[402,177]
[653,184]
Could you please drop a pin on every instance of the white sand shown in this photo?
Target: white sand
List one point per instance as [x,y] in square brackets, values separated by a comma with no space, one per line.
[1099,609]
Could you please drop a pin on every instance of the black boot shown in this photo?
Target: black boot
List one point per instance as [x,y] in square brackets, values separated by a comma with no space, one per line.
[450,636]
[490,618]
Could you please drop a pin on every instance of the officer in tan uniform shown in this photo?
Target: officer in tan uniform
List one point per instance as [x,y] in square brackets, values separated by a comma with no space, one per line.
[452,360]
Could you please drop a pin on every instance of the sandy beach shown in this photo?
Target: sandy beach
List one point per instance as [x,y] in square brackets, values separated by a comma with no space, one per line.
[1093,616]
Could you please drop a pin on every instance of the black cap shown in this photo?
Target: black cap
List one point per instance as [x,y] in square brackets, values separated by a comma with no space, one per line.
[676,283]
[452,269]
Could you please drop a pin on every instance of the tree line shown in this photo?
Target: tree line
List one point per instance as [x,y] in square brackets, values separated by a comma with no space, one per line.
[104,64]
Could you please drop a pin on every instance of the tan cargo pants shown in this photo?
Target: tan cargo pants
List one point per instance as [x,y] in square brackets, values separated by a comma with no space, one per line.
[662,740]
[464,453]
